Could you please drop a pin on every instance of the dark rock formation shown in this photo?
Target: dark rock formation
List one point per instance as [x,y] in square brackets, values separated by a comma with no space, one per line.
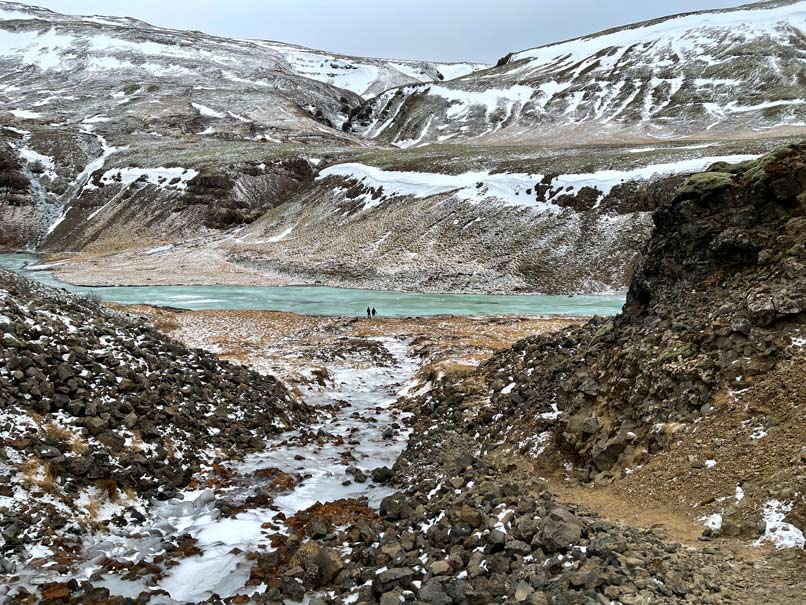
[91,397]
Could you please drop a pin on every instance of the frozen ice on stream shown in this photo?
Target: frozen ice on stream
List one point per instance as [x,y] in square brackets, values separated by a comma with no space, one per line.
[371,392]
[223,568]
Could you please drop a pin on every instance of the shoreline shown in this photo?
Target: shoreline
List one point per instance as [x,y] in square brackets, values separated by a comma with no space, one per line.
[210,268]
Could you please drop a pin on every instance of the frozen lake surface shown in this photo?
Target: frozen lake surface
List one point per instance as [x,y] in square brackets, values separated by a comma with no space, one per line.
[316,300]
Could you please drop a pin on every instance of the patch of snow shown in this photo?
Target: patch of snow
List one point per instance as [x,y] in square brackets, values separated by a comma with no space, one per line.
[734,107]
[281,236]
[343,73]
[166,178]
[96,119]
[779,533]
[459,70]
[411,71]
[710,463]
[712,522]
[509,188]
[206,111]
[491,99]
[11,15]
[34,157]
[758,433]
[238,117]
[42,49]
[508,389]
[158,249]
[25,114]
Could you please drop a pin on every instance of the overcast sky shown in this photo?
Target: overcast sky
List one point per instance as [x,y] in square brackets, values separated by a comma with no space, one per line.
[453,30]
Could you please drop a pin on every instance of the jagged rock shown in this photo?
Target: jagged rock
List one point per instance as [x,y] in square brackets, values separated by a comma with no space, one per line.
[396,577]
[382,475]
[433,592]
[330,564]
[390,598]
[396,506]
[440,568]
[560,529]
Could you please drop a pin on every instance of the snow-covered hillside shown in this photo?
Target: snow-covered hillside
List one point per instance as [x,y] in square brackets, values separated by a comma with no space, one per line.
[723,72]
[63,67]
[118,137]
[364,76]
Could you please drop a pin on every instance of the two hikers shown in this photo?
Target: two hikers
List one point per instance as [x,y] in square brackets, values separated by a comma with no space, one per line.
[371,312]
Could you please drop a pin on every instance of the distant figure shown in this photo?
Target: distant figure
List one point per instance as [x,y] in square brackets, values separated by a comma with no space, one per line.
[369,312]
[374,312]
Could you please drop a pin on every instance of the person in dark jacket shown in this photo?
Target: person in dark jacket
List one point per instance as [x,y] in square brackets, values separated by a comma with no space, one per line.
[369,312]
[374,312]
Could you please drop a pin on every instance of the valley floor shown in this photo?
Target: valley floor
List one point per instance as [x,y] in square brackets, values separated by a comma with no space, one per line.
[651,499]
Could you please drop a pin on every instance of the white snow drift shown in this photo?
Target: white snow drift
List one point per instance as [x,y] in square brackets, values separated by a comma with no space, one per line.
[514,189]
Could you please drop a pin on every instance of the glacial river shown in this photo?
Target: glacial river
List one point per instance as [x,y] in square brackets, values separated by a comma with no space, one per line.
[315,300]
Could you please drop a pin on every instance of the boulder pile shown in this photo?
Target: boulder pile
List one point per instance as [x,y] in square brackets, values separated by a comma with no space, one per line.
[91,399]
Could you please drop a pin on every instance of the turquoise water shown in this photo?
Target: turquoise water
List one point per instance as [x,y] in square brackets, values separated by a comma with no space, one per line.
[329,301]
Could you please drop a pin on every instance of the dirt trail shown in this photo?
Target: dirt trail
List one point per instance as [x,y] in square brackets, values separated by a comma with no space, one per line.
[664,519]
[758,575]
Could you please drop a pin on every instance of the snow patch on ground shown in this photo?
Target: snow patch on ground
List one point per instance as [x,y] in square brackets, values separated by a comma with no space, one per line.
[281,236]
[207,111]
[508,389]
[32,157]
[779,533]
[166,178]
[712,522]
[25,114]
[459,70]
[491,100]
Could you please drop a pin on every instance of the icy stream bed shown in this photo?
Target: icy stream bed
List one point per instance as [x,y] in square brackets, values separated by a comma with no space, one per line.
[358,409]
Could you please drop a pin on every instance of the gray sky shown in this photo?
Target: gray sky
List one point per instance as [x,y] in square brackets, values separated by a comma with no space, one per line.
[471,30]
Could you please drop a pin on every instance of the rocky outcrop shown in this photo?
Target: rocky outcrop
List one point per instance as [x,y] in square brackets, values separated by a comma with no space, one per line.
[717,301]
[15,202]
[153,209]
[91,399]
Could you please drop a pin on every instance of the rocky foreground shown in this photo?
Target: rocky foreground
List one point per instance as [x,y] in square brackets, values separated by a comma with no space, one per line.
[100,412]
[704,363]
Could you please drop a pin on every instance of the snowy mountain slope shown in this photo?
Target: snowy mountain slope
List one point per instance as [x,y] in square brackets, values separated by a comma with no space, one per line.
[122,98]
[364,76]
[727,72]
[61,68]
[86,94]
[119,137]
